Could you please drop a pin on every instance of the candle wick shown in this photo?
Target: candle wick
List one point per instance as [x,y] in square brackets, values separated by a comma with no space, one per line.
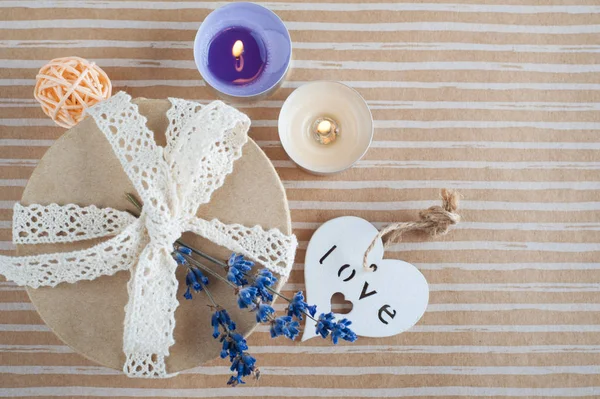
[239,63]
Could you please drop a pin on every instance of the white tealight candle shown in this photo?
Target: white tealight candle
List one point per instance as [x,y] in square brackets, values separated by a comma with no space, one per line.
[325,130]
[325,127]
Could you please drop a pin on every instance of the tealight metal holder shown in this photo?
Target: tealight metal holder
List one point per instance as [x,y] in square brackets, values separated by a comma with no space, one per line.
[272,32]
[325,127]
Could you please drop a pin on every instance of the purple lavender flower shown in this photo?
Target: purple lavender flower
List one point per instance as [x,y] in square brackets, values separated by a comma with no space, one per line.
[238,267]
[244,365]
[236,277]
[286,326]
[234,344]
[179,259]
[325,324]
[247,297]
[184,250]
[195,280]
[263,280]
[240,263]
[339,330]
[298,307]
[221,319]
[264,312]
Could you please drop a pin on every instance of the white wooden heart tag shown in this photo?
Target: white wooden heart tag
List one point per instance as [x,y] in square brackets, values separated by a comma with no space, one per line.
[386,301]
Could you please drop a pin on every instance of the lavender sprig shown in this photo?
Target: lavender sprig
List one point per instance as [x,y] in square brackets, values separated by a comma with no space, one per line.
[255,292]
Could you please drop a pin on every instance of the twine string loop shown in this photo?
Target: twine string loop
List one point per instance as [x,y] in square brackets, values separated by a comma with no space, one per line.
[435,221]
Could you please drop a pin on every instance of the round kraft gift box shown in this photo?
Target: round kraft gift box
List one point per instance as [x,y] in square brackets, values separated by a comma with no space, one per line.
[81,168]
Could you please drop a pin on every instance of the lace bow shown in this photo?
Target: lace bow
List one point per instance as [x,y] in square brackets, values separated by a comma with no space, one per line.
[202,144]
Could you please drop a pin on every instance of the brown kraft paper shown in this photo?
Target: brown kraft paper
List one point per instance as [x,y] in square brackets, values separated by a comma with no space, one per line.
[88,316]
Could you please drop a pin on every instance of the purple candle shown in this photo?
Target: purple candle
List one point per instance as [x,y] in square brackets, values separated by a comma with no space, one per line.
[243,50]
[237,55]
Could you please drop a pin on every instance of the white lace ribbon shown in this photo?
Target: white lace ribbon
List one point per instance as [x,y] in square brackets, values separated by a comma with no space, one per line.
[203,142]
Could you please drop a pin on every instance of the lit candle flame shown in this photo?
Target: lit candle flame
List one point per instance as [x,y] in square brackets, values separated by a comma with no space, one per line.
[237,49]
[324,127]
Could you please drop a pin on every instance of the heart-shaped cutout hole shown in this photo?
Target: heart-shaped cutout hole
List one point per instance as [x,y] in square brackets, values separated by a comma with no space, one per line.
[339,304]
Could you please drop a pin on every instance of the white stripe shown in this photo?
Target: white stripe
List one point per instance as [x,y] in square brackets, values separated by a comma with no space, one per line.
[337,65]
[529,226]
[358,84]
[491,307]
[505,106]
[445,46]
[437,307]
[301,392]
[485,287]
[361,349]
[391,144]
[427,349]
[18,102]
[412,184]
[5,224]
[397,105]
[480,287]
[495,246]
[11,288]
[485,226]
[482,328]
[526,328]
[533,145]
[509,266]
[440,66]
[63,370]
[465,287]
[385,124]
[19,162]
[13,182]
[451,124]
[481,266]
[275,6]
[7,246]
[418,164]
[488,307]
[7,205]
[476,105]
[421,164]
[16,306]
[424,26]
[468,205]
[25,143]
[27,122]
[518,287]
[358,46]
[333,371]
[35,349]
[24,327]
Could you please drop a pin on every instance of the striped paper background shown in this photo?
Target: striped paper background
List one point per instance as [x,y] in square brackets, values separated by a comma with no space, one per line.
[499,99]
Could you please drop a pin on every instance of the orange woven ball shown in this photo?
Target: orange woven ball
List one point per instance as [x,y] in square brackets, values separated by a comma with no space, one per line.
[65,87]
